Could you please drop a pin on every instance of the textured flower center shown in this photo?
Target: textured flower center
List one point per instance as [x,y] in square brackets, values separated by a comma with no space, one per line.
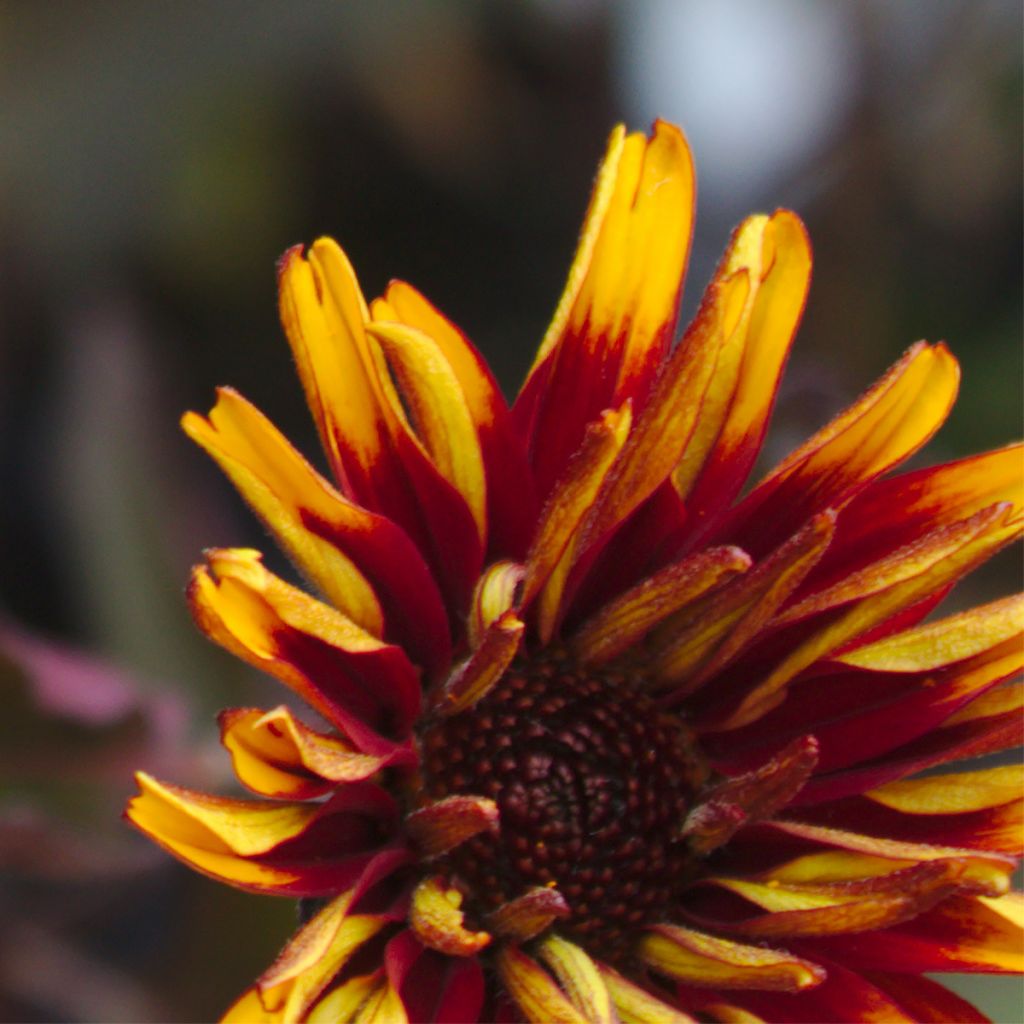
[592,782]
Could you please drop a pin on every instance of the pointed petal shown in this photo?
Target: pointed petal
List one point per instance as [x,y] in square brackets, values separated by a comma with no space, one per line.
[365,687]
[534,990]
[953,793]
[887,425]
[627,619]
[276,755]
[615,321]
[343,1004]
[923,999]
[436,919]
[776,255]
[440,827]
[706,960]
[528,915]
[511,502]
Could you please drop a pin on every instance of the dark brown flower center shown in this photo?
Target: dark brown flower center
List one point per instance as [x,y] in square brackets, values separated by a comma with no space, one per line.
[592,782]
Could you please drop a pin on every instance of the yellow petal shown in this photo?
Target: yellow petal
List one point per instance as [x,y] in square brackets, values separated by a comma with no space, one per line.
[636,1005]
[706,960]
[436,919]
[342,1005]
[945,642]
[953,793]
[579,977]
[534,990]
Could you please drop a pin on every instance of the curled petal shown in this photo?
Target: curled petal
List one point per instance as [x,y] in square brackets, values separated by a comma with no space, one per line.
[362,685]
[579,977]
[706,960]
[297,849]
[471,681]
[436,919]
[747,798]
[616,318]
[276,755]
[534,990]
[442,826]
[528,915]
[497,592]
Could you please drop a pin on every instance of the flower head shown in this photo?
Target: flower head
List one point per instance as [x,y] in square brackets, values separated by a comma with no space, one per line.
[599,735]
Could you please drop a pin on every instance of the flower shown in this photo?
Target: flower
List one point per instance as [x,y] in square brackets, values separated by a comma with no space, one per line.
[603,737]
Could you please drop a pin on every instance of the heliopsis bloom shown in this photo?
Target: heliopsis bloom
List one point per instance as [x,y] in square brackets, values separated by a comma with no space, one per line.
[598,734]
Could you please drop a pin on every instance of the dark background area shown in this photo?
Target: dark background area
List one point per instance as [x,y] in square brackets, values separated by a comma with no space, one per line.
[155,160]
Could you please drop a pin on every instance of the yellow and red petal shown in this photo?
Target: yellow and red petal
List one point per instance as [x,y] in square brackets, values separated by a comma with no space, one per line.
[879,431]
[775,252]
[434,989]
[963,933]
[439,827]
[285,849]
[363,563]
[924,999]
[615,321]
[695,958]
[276,755]
[367,688]
[953,552]
[511,503]
[529,914]
[437,921]
[376,457]
[623,622]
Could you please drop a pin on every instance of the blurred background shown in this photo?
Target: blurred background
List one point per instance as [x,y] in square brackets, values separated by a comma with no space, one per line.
[156,158]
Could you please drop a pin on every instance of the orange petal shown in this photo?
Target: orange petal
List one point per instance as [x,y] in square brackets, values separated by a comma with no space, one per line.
[717,629]
[624,621]
[276,755]
[534,990]
[706,960]
[353,679]
[638,1006]
[441,826]
[952,553]
[775,253]
[887,425]
[528,915]
[436,919]
[511,503]
[579,977]
[615,321]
